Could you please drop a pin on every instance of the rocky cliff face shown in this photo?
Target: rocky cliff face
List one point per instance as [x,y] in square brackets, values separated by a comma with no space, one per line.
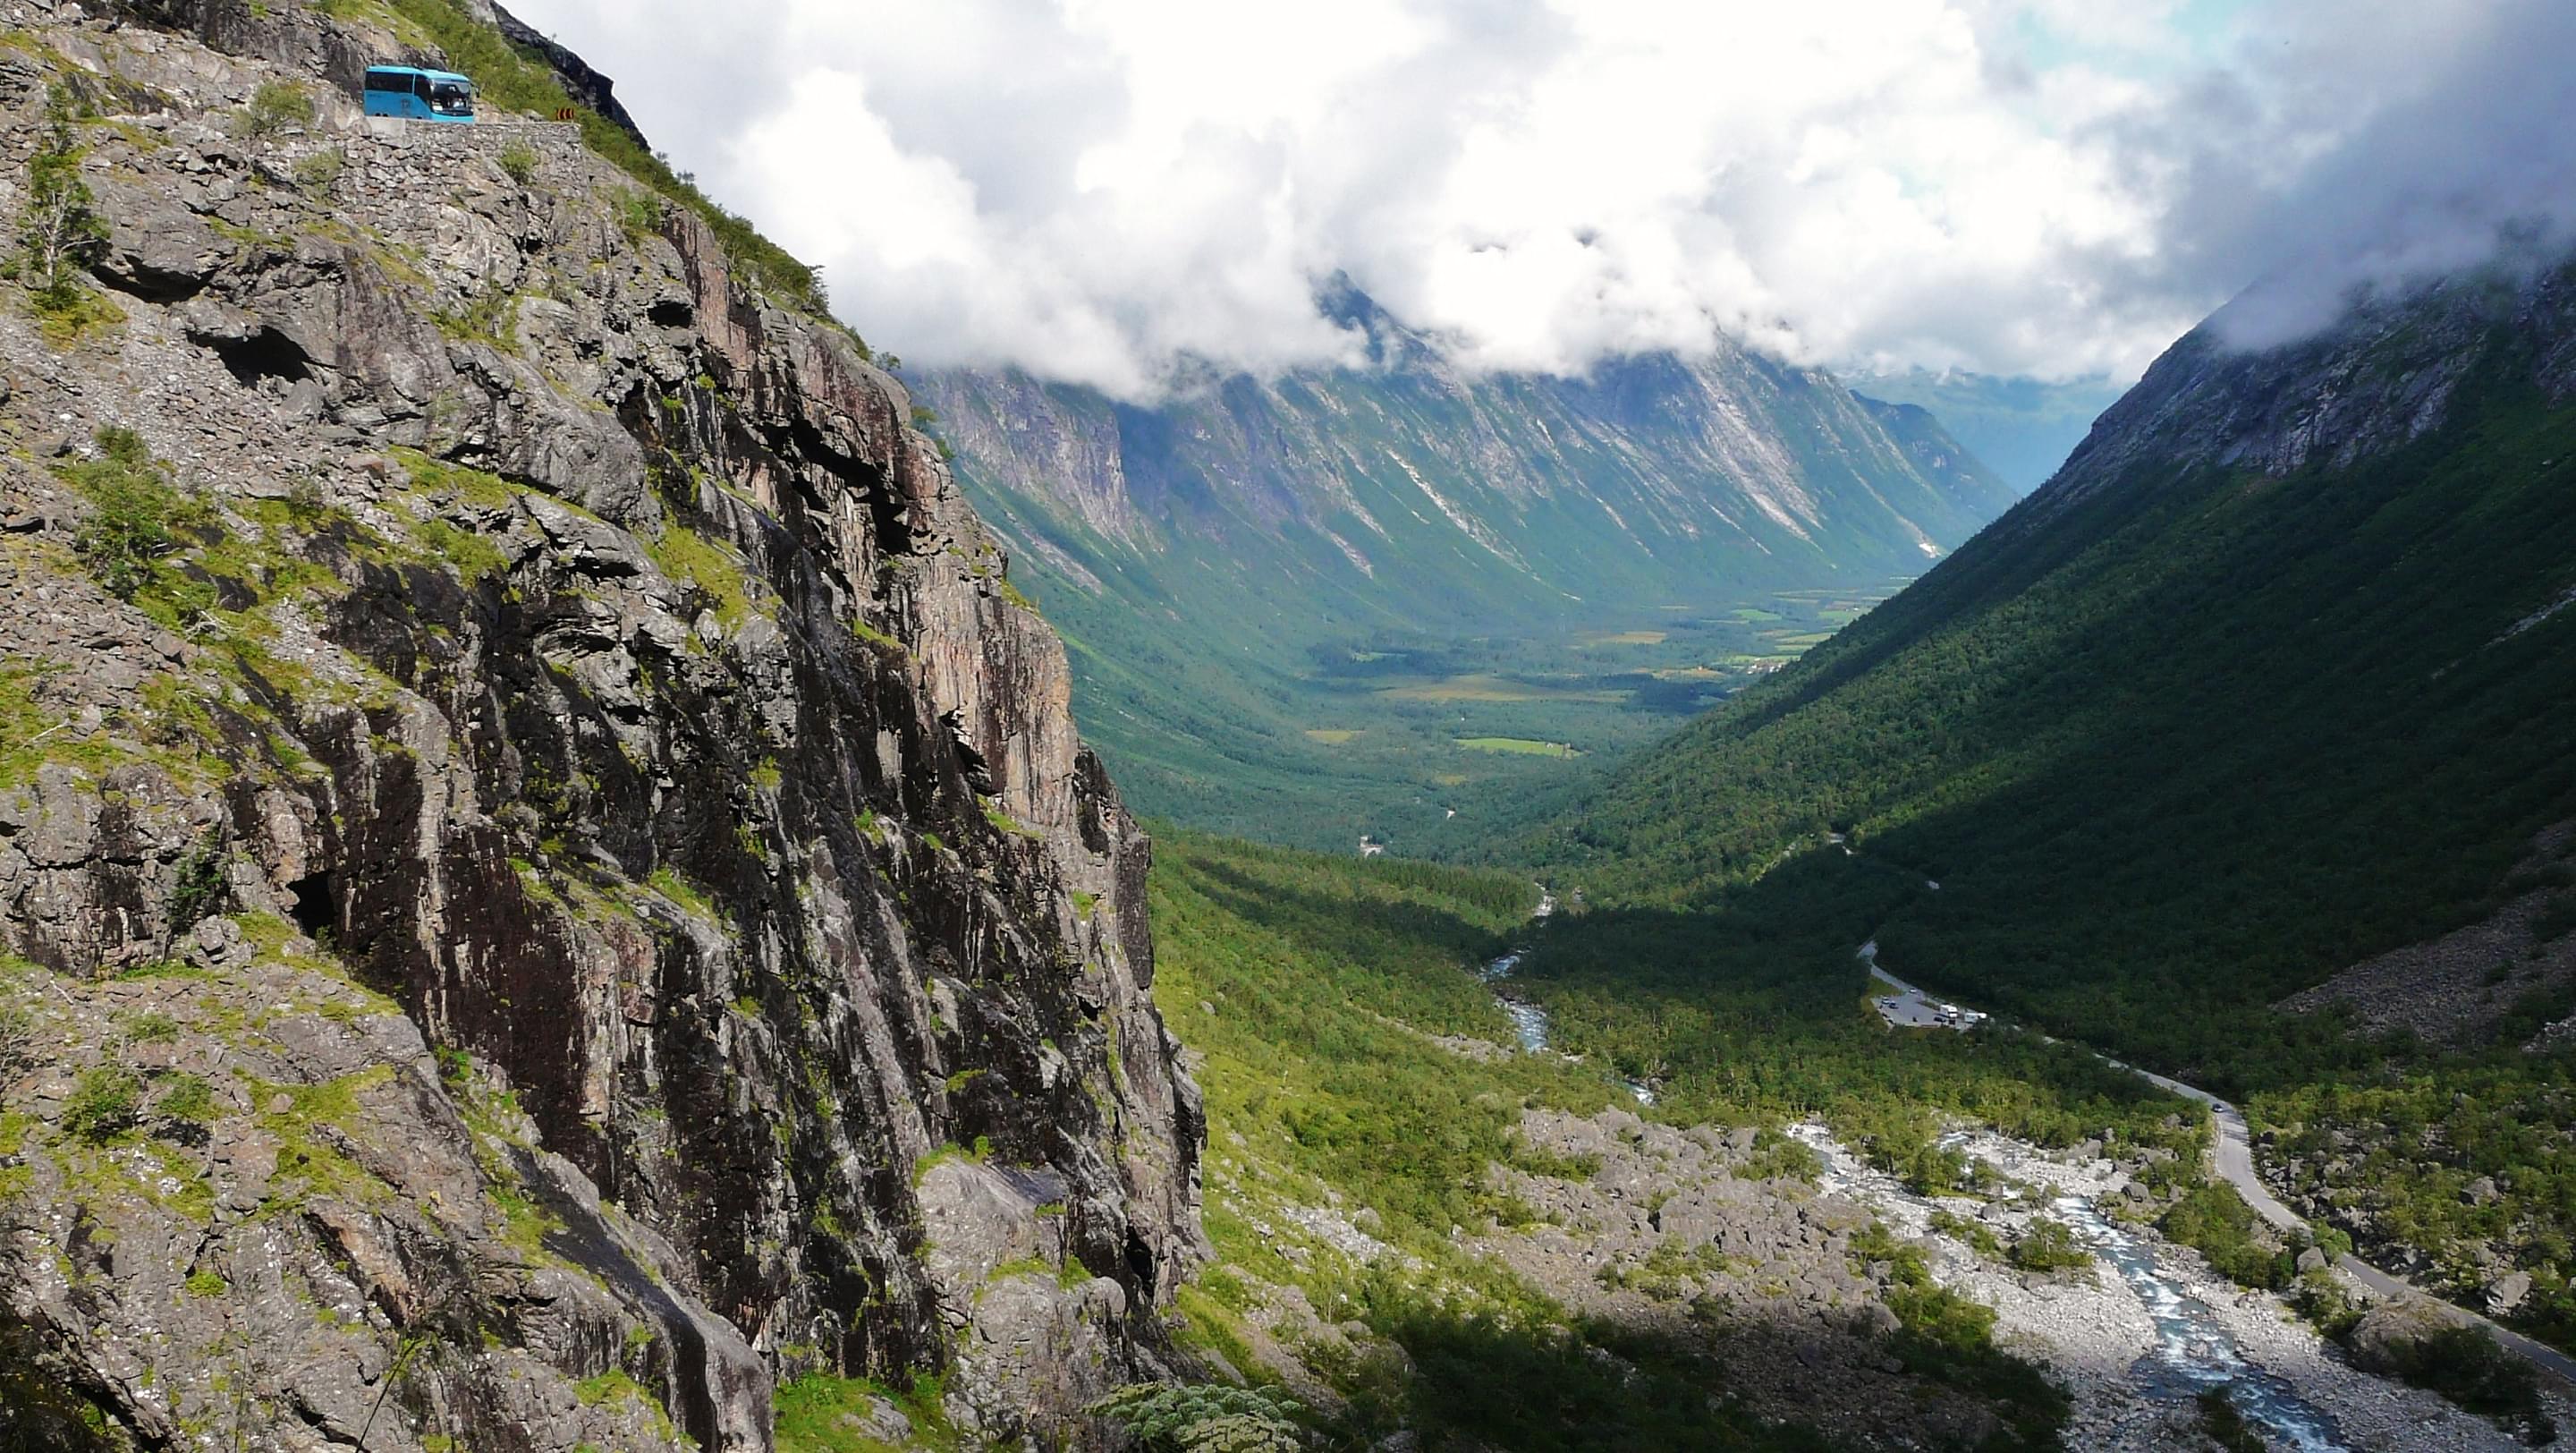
[2381,375]
[547,882]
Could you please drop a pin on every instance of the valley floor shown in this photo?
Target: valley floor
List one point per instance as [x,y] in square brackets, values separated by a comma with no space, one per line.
[1435,1224]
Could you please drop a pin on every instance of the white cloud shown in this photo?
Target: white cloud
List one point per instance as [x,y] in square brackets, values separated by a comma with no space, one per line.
[1101,189]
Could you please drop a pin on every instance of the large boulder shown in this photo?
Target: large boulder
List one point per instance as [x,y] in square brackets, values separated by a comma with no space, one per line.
[2508,1291]
[2385,1338]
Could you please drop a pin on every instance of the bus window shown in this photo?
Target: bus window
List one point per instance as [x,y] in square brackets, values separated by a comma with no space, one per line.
[451,98]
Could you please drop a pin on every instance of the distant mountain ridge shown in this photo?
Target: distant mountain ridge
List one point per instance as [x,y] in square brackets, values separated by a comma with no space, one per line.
[2452,379]
[1249,523]
[1621,484]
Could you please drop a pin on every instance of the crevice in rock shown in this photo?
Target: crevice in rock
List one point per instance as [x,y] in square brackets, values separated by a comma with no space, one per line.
[888,519]
[978,772]
[138,279]
[1140,1260]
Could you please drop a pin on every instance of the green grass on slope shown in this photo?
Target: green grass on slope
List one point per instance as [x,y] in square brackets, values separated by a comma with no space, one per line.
[1325,976]
[1314,967]
[2182,748]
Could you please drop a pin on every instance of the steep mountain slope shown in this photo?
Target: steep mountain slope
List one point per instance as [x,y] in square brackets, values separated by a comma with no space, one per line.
[2271,678]
[1251,533]
[545,885]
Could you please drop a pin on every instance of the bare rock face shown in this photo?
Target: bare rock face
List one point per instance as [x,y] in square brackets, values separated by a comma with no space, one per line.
[2382,374]
[580,789]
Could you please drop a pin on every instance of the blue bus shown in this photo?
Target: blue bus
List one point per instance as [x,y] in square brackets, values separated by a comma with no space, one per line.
[418,94]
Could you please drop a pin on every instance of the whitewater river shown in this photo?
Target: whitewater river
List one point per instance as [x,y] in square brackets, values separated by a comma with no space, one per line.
[1530,1021]
[2191,1351]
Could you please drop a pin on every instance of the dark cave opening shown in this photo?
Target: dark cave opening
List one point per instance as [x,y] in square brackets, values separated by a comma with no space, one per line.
[263,355]
[317,905]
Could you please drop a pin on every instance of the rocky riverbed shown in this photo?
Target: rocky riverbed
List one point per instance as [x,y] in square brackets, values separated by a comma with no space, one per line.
[2133,1350]
[1704,1238]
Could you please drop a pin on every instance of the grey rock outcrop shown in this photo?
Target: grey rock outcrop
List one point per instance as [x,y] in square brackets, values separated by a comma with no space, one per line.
[2382,374]
[2383,1341]
[585,753]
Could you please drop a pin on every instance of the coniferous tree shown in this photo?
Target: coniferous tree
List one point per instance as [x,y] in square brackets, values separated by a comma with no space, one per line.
[60,234]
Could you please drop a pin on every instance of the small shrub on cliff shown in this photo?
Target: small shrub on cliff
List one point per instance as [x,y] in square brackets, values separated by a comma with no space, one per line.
[519,161]
[1173,1418]
[198,889]
[106,1103]
[60,234]
[639,212]
[274,108]
[317,175]
[189,1100]
[135,515]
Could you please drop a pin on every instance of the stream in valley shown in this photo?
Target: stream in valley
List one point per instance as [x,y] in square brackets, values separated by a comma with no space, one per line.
[2183,1335]
[1529,1021]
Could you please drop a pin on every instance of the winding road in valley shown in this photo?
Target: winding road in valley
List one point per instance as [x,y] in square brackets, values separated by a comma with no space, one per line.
[2235,1161]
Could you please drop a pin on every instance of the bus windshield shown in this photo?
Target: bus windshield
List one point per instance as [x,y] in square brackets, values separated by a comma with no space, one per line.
[451,98]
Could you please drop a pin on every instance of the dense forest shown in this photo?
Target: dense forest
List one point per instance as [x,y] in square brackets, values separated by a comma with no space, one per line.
[1751,1009]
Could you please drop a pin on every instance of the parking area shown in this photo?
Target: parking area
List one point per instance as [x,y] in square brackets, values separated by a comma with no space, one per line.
[1907,1007]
